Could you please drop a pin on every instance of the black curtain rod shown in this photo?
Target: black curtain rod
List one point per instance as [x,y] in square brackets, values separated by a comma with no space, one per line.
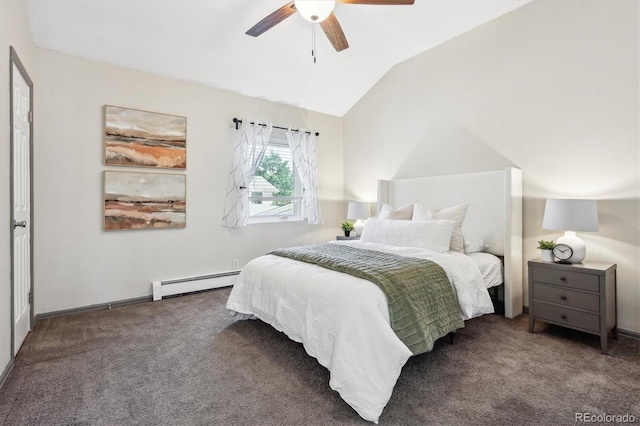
[237,120]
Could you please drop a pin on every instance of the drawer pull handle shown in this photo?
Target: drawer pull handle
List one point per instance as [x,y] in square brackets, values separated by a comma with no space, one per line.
[563,316]
[563,297]
[563,278]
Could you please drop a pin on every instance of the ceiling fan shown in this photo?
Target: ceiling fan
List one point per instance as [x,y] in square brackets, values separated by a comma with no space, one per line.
[318,11]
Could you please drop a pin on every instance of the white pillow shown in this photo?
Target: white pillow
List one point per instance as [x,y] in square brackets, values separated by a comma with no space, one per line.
[455,213]
[429,234]
[401,213]
[473,244]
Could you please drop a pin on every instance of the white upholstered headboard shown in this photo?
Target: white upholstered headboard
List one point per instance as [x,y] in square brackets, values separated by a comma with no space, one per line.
[495,214]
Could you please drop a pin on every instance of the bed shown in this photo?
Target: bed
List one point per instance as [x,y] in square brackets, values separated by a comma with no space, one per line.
[344,321]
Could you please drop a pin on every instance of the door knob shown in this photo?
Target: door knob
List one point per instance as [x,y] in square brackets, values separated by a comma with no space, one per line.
[22,224]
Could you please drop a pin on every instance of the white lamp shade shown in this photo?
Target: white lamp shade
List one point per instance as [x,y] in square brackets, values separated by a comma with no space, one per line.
[570,215]
[358,210]
[315,10]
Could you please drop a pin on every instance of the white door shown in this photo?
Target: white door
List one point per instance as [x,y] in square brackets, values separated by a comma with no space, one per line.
[21,199]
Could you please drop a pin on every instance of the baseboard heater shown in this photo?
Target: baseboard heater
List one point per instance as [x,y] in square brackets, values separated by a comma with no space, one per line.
[188,285]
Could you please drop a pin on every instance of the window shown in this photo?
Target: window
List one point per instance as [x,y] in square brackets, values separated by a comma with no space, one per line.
[275,192]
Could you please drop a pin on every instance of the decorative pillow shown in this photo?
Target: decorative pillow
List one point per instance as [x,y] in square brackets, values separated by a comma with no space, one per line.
[473,244]
[429,234]
[455,213]
[401,213]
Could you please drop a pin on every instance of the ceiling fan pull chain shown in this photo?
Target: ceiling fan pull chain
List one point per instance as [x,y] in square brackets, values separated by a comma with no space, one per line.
[313,42]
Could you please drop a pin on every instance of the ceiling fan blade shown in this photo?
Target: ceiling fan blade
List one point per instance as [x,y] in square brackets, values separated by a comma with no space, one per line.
[378,2]
[272,20]
[333,30]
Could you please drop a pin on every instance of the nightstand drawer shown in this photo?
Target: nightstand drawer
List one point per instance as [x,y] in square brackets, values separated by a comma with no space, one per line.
[567,316]
[564,296]
[566,278]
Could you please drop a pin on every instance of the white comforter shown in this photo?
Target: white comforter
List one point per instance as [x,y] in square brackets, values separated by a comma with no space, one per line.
[343,321]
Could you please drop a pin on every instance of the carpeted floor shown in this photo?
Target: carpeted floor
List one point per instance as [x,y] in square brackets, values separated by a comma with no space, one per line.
[184,361]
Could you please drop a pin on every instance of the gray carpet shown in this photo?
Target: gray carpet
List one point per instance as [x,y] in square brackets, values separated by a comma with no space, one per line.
[184,361]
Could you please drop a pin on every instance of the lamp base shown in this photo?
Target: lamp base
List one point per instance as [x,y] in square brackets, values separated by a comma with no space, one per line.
[358,227]
[577,245]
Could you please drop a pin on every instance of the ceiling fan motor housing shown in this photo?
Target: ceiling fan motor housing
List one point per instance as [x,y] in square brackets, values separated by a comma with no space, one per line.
[315,10]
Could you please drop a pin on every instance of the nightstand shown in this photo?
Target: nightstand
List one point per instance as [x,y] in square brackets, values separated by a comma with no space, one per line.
[342,237]
[581,296]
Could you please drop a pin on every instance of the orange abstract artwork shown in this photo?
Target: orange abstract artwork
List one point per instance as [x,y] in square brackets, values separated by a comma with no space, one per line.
[144,139]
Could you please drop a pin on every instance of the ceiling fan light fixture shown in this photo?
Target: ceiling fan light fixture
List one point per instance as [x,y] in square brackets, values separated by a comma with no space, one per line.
[315,10]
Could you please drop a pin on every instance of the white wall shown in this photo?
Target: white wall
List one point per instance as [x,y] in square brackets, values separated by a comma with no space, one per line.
[79,264]
[14,31]
[551,88]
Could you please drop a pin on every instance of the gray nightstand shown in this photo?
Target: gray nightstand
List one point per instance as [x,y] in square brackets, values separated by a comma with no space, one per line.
[342,237]
[581,296]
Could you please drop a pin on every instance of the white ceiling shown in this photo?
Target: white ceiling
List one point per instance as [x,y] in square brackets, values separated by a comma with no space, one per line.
[204,41]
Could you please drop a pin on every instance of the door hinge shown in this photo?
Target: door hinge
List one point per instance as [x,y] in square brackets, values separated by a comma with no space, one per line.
[30,297]
[30,116]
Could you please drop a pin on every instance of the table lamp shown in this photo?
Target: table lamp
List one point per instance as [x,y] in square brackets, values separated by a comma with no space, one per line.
[358,210]
[571,216]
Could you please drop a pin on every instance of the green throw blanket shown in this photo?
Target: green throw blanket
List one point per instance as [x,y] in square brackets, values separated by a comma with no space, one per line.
[422,304]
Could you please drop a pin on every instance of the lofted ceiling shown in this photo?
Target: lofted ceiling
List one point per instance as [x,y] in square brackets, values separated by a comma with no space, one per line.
[204,41]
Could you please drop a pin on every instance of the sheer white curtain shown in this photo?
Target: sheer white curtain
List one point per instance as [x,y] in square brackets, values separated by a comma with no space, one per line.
[303,148]
[251,142]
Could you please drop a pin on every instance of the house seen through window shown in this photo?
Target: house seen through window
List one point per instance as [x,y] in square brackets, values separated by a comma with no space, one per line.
[275,192]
